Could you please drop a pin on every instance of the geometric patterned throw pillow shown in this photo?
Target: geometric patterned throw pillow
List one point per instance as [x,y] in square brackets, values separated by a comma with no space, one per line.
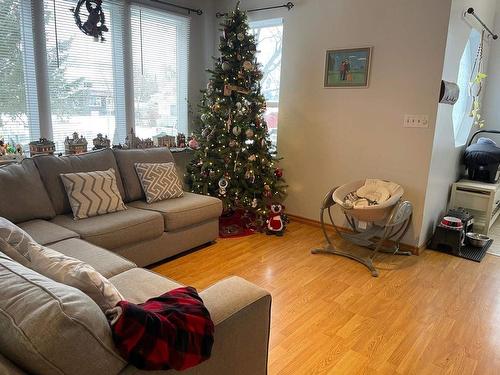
[93,193]
[159,181]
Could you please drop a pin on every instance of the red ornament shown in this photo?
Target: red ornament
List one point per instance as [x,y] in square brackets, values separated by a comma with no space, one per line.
[278,173]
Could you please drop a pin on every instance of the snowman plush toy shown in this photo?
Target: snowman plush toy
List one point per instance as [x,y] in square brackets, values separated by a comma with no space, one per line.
[276,223]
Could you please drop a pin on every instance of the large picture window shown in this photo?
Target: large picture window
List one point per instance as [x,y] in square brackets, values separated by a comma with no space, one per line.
[269,36]
[87,79]
[19,121]
[160,45]
[462,120]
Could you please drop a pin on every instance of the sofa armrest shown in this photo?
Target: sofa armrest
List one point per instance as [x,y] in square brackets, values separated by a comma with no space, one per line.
[241,312]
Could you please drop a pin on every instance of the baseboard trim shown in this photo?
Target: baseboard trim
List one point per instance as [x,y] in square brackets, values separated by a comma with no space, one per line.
[415,250]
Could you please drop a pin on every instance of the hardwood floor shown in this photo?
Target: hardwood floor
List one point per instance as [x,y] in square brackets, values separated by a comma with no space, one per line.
[432,314]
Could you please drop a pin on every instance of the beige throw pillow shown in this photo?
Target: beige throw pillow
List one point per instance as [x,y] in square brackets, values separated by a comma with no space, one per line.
[14,242]
[73,272]
[93,193]
[159,181]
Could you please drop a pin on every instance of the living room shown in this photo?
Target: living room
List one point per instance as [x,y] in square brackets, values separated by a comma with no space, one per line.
[249,187]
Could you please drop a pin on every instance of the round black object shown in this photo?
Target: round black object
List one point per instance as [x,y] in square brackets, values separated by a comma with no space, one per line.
[481,154]
[482,161]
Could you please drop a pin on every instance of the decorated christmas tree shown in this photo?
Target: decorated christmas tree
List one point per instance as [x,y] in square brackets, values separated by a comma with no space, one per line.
[235,160]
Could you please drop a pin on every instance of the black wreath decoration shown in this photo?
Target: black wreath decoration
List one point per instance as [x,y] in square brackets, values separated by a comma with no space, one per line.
[95,24]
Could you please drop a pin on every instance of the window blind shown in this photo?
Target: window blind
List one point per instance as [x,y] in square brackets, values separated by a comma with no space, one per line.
[19,123]
[86,79]
[160,44]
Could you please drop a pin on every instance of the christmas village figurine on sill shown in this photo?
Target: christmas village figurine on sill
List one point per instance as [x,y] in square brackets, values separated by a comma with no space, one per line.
[234,159]
[75,145]
[42,147]
[101,142]
[10,153]
[133,142]
[166,141]
[181,140]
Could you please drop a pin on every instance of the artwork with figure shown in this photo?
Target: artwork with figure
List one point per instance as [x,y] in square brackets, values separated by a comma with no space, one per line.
[348,67]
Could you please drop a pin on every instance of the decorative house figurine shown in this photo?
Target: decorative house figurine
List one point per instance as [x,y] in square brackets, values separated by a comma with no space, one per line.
[145,143]
[166,141]
[75,145]
[181,140]
[132,141]
[101,142]
[42,146]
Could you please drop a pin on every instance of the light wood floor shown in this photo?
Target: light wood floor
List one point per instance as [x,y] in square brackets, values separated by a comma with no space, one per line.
[432,314]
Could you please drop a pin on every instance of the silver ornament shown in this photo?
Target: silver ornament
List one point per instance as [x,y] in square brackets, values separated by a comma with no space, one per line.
[226,66]
[241,37]
[236,130]
[223,184]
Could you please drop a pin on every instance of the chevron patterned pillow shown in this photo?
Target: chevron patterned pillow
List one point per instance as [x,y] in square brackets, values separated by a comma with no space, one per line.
[93,193]
[159,181]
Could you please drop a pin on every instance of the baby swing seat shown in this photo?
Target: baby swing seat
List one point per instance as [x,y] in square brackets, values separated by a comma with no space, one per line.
[384,222]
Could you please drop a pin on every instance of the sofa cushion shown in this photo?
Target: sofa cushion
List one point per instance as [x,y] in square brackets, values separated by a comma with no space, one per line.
[92,193]
[159,181]
[126,160]
[23,194]
[76,273]
[105,262]
[45,233]
[117,229]
[51,167]
[46,324]
[15,242]
[185,211]
[138,285]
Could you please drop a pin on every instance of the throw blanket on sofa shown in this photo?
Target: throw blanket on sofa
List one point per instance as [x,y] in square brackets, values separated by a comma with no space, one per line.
[171,331]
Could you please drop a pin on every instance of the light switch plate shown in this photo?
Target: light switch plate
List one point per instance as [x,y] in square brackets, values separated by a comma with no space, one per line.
[416,121]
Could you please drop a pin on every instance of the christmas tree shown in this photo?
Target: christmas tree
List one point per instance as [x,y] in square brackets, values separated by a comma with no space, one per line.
[235,160]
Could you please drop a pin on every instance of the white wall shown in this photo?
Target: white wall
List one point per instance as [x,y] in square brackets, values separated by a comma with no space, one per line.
[492,95]
[333,136]
[446,157]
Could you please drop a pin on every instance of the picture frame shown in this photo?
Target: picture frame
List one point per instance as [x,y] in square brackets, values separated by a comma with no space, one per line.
[348,67]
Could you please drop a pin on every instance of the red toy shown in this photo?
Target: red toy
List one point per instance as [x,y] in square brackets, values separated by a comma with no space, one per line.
[276,222]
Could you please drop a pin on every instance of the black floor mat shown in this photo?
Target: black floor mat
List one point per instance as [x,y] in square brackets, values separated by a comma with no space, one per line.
[474,253]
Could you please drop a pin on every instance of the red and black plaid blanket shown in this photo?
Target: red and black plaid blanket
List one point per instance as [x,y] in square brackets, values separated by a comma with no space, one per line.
[170,331]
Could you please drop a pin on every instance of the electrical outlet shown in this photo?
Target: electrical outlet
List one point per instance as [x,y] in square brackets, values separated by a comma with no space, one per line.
[416,121]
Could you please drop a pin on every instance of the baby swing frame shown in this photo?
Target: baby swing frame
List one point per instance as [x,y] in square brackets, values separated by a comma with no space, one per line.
[374,238]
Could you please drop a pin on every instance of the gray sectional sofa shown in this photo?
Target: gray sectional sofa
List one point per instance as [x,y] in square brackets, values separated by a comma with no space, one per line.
[39,318]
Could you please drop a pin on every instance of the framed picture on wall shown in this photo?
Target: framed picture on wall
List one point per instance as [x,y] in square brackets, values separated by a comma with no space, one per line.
[349,67]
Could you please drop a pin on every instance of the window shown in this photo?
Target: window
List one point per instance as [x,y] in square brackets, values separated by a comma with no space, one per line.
[86,79]
[160,57]
[269,36]
[19,122]
[85,75]
[462,121]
